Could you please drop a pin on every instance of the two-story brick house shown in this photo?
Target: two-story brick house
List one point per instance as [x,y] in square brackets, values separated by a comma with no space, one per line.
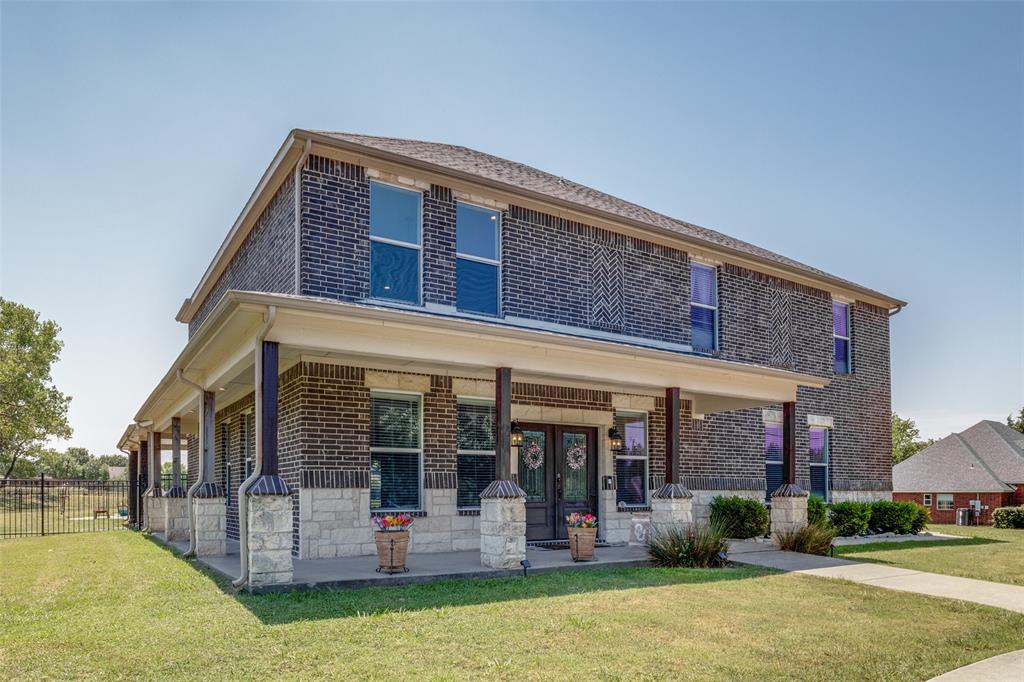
[388,318]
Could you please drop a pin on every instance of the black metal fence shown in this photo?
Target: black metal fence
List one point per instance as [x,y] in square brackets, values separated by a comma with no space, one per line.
[42,506]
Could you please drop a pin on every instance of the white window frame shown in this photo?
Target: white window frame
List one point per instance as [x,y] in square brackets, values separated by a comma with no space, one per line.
[927,500]
[938,502]
[714,280]
[383,393]
[467,400]
[489,261]
[847,338]
[398,242]
[646,458]
[828,457]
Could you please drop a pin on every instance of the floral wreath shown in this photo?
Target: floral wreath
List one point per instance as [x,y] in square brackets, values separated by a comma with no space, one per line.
[576,457]
[533,456]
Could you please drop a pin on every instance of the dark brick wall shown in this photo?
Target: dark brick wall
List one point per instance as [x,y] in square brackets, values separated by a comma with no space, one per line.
[439,246]
[335,230]
[440,421]
[192,459]
[229,452]
[266,259]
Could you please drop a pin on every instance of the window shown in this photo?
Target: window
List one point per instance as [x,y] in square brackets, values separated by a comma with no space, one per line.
[631,460]
[477,263]
[394,243]
[818,445]
[475,454]
[703,307]
[395,451]
[772,457]
[927,499]
[841,337]
[944,501]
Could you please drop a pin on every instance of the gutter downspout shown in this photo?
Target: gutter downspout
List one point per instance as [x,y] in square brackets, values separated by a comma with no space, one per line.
[191,551]
[895,310]
[257,469]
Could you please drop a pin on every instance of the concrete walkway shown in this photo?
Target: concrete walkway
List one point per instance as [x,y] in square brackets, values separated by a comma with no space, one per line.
[1005,668]
[1009,597]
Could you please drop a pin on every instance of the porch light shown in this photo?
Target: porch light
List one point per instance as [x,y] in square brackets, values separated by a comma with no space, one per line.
[516,438]
[614,438]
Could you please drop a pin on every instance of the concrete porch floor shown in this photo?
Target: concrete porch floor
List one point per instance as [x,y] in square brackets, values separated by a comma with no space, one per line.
[360,571]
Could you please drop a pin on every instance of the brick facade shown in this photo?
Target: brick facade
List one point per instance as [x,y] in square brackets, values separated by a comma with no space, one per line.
[266,259]
[989,503]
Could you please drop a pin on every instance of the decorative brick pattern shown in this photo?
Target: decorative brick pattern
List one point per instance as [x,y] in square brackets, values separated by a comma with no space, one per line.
[266,259]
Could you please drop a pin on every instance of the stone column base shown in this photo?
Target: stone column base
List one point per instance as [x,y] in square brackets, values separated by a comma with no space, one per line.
[155,514]
[176,518]
[211,526]
[270,539]
[502,525]
[789,509]
[671,507]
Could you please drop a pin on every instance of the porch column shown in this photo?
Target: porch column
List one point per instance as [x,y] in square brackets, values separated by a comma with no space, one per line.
[143,486]
[672,504]
[503,502]
[133,490]
[269,515]
[789,501]
[175,502]
[208,501]
[157,514]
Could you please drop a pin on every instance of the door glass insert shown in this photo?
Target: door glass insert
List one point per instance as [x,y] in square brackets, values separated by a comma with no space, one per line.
[533,465]
[574,469]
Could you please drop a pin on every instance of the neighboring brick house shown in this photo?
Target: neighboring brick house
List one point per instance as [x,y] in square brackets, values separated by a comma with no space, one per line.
[392,277]
[980,469]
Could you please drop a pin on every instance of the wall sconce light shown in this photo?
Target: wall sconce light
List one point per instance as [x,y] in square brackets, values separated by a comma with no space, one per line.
[516,439]
[614,439]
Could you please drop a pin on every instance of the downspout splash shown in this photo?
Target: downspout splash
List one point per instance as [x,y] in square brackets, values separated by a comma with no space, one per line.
[257,469]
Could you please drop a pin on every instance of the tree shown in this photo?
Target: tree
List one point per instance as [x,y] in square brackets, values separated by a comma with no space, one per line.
[1016,423]
[905,439]
[31,408]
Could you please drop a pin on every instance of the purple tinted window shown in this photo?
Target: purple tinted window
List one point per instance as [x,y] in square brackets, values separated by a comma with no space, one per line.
[840,321]
[817,441]
[773,442]
[702,285]
[841,363]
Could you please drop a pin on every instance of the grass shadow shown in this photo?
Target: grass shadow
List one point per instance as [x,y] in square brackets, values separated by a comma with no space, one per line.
[845,550]
[287,607]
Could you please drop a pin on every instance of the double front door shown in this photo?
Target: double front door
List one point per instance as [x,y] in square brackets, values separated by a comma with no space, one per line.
[558,471]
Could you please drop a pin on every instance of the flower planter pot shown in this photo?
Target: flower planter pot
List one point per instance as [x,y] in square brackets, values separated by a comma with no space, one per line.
[392,547]
[581,543]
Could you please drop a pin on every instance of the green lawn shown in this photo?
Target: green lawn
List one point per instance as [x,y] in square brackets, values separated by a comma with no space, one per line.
[985,553]
[113,605]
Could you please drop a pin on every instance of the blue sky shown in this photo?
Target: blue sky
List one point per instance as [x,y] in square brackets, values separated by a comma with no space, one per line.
[880,142]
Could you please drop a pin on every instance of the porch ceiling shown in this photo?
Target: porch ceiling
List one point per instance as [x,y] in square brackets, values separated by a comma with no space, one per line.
[220,356]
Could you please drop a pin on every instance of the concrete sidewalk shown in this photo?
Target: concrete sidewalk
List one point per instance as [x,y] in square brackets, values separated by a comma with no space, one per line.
[1009,597]
[1006,668]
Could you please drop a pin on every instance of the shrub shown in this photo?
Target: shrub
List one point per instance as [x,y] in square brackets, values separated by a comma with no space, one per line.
[850,518]
[699,546]
[921,518]
[739,517]
[893,517]
[1008,517]
[811,539]
[817,512]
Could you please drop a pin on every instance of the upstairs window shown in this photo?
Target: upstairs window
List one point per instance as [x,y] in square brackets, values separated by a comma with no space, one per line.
[704,307]
[395,451]
[631,460]
[395,239]
[841,337]
[478,260]
[475,454]
[772,457]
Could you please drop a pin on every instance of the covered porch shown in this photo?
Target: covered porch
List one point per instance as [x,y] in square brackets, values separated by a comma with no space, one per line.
[307,494]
